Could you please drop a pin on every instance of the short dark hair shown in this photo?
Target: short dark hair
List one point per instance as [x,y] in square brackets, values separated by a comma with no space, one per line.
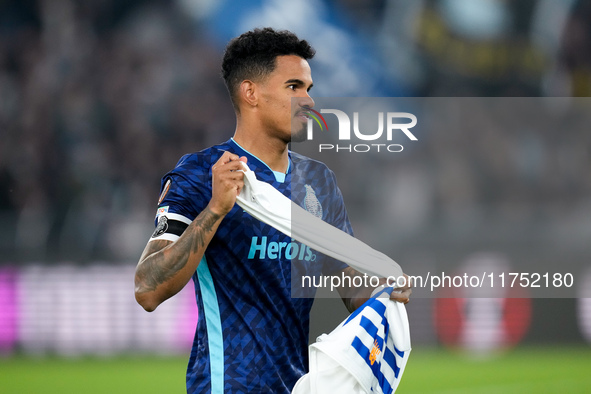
[252,56]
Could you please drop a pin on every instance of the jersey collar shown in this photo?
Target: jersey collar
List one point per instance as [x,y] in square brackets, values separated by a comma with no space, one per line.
[279,176]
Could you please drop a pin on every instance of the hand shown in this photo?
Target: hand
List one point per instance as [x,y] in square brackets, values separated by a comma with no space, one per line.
[402,294]
[226,183]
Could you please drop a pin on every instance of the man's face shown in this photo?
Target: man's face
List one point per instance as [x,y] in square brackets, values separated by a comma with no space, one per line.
[284,98]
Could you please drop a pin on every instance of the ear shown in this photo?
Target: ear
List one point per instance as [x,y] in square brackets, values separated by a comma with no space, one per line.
[249,93]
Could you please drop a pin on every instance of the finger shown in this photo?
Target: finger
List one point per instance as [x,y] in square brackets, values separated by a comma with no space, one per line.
[226,158]
[402,288]
[240,161]
[231,167]
[239,187]
[227,168]
[233,176]
[229,177]
[236,174]
[406,284]
[403,297]
[235,164]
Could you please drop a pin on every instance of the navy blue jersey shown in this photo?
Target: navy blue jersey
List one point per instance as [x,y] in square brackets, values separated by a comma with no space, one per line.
[251,336]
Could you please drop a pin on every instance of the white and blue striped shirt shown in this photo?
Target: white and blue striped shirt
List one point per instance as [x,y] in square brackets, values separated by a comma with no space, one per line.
[366,353]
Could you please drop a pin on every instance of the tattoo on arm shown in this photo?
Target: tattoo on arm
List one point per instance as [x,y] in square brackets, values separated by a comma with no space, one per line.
[151,270]
[162,260]
[204,222]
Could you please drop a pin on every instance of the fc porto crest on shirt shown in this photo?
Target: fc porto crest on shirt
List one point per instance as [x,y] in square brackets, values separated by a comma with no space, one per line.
[311,202]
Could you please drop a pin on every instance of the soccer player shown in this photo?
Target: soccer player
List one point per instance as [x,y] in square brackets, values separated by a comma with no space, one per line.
[251,336]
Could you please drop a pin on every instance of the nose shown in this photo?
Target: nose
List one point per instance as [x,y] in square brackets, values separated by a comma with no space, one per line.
[307,101]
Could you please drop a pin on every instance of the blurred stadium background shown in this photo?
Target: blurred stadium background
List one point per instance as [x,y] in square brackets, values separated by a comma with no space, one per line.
[98,99]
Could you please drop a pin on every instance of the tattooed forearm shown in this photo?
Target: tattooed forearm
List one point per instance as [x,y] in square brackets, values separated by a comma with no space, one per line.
[162,260]
[153,270]
[205,222]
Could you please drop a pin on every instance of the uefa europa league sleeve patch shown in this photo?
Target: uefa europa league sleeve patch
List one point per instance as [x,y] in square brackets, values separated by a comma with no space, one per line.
[164,191]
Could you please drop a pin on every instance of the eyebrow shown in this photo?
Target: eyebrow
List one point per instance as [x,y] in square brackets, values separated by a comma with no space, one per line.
[298,82]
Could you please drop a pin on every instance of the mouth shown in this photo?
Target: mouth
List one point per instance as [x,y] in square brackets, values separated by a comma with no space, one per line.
[304,115]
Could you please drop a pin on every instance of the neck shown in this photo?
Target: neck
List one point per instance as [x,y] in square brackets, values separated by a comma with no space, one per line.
[272,151]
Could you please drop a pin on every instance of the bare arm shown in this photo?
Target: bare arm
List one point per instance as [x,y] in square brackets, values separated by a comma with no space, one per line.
[354,297]
[165,267]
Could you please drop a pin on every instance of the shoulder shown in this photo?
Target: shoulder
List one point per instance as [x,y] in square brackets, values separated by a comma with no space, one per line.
[188,185]
[193,170]
[311,167]
[198,164]
[201,161]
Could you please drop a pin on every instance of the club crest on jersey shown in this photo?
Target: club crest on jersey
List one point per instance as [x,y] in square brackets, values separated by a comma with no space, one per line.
[311,202]
[161,227]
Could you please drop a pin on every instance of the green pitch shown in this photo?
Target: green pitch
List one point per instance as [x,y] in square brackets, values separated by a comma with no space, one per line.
[526,370]
[93,375]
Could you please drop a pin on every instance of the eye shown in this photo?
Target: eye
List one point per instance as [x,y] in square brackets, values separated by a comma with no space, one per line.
[292,86]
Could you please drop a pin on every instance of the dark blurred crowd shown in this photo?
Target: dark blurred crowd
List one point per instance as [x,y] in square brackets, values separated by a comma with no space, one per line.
[93,114]
[99,99]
